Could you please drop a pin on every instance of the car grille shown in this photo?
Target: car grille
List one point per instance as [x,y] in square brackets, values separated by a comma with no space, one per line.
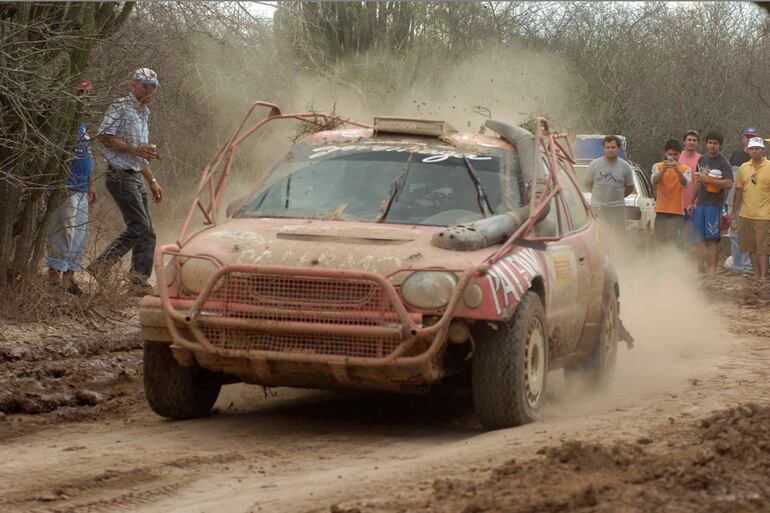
[301,301]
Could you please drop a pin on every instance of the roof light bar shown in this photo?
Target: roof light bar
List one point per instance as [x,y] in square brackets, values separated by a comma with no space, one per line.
[432,128]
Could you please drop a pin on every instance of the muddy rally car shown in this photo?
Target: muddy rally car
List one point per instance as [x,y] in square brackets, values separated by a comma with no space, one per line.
[386,257]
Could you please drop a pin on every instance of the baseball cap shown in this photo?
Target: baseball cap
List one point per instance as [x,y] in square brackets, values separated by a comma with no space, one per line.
[84,86]
[753,132]
[146,75]
[756,142]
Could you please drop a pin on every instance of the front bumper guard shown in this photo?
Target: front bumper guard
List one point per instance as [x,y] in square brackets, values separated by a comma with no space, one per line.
[186,316]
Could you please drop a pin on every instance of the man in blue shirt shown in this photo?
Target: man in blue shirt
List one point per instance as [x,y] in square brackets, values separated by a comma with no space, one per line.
[68,232]
[125,135]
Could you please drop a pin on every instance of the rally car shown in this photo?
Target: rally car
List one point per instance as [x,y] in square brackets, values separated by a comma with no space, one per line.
[390,257]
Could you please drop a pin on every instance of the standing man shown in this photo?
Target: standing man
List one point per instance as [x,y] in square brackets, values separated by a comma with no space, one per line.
[68,233]
[125,135]
[752,199]
[670,177]
[714,177]
[610,179]
[740,156]
[689,157]
[741,261]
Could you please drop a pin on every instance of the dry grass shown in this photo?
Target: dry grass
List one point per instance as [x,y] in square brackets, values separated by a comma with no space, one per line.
[33,300]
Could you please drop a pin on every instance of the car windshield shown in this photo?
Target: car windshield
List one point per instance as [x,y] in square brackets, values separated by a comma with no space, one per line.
[403,182]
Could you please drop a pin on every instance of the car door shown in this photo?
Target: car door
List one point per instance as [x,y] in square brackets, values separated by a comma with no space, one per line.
[571,261]
[564,257]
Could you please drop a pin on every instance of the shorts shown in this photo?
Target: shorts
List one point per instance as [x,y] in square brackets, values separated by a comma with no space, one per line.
[754,235]
[707,223]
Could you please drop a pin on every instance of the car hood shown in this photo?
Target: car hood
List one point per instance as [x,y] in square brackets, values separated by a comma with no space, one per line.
[379,248]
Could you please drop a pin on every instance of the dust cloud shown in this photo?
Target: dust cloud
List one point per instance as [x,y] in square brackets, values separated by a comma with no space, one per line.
[678,334]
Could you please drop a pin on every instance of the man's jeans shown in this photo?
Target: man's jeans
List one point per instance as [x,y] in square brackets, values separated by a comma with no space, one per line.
[130,194]
[68,233]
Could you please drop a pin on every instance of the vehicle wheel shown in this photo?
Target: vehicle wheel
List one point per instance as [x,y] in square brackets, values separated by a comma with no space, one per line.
[597,370]
[175,391]
[509,367]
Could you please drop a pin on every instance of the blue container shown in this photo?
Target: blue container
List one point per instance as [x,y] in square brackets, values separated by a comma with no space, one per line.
[589,147]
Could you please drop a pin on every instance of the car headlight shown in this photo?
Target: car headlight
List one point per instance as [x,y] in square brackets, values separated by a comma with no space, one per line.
[428,289]
[196,272]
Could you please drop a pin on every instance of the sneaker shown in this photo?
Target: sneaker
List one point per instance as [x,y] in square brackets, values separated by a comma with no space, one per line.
[73,289]
[140,289]
[55,287]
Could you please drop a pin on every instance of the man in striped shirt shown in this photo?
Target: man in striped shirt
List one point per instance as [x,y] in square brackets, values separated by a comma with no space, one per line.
[125,134]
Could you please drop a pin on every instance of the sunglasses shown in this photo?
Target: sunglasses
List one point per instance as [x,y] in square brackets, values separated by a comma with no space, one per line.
[754,179]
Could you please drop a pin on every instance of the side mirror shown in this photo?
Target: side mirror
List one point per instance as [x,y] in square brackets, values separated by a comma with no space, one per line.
[546,228]
[233,205]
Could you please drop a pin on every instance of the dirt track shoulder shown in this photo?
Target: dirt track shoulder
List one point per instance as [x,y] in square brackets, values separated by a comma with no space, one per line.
[65,371]
[306,451]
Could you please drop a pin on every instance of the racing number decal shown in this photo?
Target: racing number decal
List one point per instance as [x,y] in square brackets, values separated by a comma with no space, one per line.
[509,279]
[561,264]
[562,267]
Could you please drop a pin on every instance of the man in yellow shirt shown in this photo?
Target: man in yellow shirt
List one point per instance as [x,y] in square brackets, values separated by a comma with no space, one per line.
[752,197]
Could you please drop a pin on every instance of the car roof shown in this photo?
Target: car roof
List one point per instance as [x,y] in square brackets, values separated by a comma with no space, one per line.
[457,139]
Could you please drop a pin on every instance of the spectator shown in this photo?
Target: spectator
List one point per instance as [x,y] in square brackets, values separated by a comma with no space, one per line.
[125,134]
[68,232]
[610,179]
[714,176]
[740,260]
[740,156]
[670,177]
[752,199]
[689,158]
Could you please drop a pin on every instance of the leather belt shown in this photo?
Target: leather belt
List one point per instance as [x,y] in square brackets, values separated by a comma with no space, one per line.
[115,169]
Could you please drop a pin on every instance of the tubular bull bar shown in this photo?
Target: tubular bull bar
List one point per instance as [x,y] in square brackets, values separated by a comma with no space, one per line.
[244,313]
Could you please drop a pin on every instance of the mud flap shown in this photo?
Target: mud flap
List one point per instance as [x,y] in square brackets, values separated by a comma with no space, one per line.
[626,336]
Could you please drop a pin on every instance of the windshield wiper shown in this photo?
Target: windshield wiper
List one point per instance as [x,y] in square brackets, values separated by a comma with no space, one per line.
[484,205]
[395,191]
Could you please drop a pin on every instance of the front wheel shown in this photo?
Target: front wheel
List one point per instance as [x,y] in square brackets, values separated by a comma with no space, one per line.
[509,367]
[175,391]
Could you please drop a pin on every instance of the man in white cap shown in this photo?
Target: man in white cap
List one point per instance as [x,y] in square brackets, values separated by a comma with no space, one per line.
[752,198]
[125,135]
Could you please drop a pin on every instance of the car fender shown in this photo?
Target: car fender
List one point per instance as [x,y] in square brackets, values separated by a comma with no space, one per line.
[511,277]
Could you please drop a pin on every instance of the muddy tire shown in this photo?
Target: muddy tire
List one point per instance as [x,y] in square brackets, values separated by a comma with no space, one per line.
[175,391]
[509,367]
[596,370]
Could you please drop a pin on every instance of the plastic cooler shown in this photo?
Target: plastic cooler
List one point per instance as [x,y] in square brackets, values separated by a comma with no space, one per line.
[589,147]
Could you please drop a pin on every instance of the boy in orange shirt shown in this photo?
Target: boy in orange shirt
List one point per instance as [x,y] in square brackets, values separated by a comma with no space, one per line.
[670,178]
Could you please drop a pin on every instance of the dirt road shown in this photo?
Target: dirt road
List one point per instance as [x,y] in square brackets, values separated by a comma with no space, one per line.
[77,436]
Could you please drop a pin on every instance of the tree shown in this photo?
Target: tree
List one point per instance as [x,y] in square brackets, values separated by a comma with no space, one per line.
[44,50]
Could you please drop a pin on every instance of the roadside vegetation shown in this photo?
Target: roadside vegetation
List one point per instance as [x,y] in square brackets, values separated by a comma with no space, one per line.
[646,70]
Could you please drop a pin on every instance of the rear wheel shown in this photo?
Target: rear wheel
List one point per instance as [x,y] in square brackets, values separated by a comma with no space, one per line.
[509,367]
[175,391]
[598,368]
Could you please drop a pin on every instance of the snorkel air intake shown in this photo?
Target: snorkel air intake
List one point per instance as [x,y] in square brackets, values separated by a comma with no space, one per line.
[496,229]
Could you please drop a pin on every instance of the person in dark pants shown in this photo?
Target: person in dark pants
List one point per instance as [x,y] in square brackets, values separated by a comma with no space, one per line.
[670,177]
[610,179]
[125,134]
